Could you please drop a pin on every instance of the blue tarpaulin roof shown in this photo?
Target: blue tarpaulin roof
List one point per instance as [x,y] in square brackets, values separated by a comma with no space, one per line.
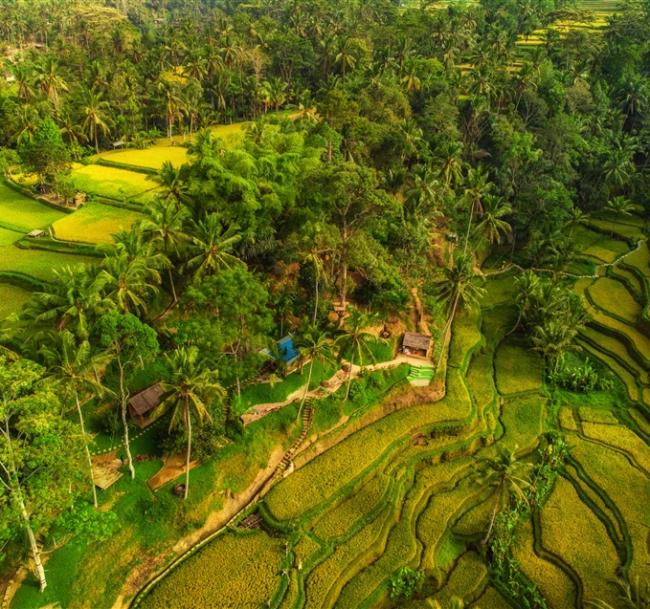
[288,351]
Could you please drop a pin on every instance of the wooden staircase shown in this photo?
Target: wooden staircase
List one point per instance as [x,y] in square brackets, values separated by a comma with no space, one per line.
[307,418]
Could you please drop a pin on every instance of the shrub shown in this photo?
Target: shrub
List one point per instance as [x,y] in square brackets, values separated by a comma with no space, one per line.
[405,583]
[580,378]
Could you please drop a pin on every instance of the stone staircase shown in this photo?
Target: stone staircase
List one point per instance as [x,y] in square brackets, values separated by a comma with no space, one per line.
[285,464]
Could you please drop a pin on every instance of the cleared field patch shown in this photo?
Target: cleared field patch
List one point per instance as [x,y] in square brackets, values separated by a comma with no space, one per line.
[37,263]
[147,158]
[518,369]
[213,576]
[573,532]
[12,298]
[22,213]
[94,223]
[612,296]
[114,183]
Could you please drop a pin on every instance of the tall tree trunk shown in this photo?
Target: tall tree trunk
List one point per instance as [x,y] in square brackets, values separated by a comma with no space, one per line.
[447,328]
[172,285]
[304,395]
[33,546]
[17,493]
[188,456]
[124,399]
[344,290]
[315,303]
[86,449]
[469,227]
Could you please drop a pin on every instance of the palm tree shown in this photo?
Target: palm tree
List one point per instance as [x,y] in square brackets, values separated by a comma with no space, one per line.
[130,281]
[189,392]
[355,342]
[94,110]
[174,183]
[477,186]
[211,246]
[72,301]
[76,369]
[553,339]
[458,288]
[507,477]
[492,225]
[50,82]
[314,345]
[164,228]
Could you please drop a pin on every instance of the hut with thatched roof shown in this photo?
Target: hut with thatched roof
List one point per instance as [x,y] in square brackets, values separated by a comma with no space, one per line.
[416,344]
[142,406]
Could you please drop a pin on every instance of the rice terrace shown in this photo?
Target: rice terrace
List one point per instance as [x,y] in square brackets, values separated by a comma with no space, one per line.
[325,305]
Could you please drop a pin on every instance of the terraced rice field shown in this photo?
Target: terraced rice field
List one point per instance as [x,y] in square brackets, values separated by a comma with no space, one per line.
[39,264]
[22,214]
[147,158]
[94,223]
[114,183]
[376,500]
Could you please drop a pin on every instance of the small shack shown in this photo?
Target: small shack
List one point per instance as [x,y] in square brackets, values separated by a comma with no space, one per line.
[36,234]
[142,405]
[416,344]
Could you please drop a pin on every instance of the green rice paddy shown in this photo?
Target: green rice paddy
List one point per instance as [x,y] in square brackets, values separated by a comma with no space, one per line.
[94,223]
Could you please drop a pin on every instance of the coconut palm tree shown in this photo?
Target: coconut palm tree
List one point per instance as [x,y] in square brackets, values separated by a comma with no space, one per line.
[76,368]
[131,282]
[190,391]
[72,301]
[164,229]
[94,110]
[458,288]
[173,182]
[354,342]
[507,477]
[492,225]
[50,82]
[314,345]
[211,246]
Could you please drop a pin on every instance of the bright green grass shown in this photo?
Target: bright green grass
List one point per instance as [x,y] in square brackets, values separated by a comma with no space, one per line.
[94,223]
[114,183]
[22,213]
[12,298]
[523,421]
[150,158]
[37,263]
[7,237]
[265,393]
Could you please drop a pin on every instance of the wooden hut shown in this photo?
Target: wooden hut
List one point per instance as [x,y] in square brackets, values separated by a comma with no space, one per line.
[416,344]
[142,405]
